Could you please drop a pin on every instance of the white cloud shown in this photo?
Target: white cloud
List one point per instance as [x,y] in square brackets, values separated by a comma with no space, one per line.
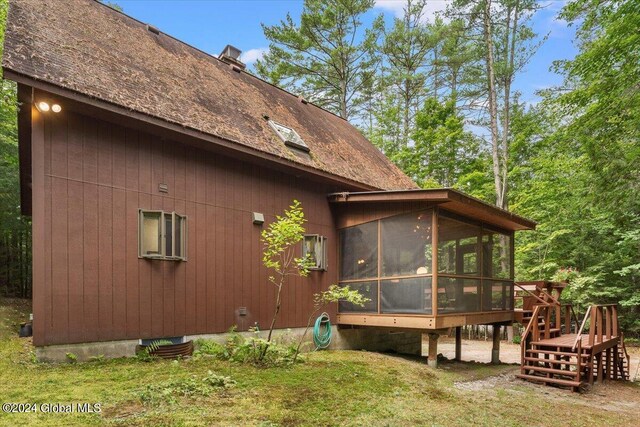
[252,55]
[397,7]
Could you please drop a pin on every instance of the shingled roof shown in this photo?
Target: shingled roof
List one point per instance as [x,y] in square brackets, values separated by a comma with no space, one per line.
[93,50]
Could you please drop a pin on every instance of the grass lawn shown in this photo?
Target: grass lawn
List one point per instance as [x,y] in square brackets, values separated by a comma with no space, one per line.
[329,388]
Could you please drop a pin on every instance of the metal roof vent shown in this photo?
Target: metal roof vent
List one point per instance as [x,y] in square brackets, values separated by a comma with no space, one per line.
[231,55]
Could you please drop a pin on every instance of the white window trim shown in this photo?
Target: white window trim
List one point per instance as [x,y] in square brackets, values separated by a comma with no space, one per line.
[163,235]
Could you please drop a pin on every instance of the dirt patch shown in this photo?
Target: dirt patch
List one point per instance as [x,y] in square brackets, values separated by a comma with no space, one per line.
[485,383]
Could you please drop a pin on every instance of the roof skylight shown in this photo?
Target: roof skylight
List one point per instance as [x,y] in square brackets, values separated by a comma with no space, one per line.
[289,136]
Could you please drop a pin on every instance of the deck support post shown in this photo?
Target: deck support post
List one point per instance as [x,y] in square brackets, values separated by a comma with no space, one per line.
[458,343]
[495,351]
[433,350]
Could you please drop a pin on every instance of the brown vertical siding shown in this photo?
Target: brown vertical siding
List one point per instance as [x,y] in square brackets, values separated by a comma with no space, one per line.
[91,177]
[39,226]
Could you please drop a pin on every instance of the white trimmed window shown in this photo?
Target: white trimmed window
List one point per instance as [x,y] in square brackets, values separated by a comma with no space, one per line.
[162,235]
[315,246]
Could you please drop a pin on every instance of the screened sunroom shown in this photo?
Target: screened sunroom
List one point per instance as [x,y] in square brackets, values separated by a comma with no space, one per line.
[425,259]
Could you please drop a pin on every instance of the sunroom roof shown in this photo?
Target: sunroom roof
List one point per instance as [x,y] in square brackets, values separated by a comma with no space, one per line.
[448,199]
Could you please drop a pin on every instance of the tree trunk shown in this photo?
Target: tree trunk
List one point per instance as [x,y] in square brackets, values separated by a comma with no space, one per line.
[343,100]
[405,119]
[509,47]
[493,107]
[295,356]
[436,71]
[275,314]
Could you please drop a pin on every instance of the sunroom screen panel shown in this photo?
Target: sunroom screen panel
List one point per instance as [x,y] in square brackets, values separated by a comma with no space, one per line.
[359,252]
[411,295]
[458,295]
[368,290]
[406,244]
[496,255]
[458,249]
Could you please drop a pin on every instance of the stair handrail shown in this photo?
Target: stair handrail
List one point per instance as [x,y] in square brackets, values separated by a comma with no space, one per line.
[534,315]
[536,296]
[527,331]
[579,334]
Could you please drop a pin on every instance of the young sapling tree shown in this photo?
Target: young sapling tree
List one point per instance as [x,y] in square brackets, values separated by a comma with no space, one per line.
[280,240]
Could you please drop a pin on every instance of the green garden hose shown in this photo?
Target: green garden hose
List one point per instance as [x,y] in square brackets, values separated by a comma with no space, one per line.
[322,331]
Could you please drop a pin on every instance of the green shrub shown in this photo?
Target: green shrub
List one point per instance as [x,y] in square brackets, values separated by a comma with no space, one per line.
[210,348]
[516,339]
[168,392]
[252,350]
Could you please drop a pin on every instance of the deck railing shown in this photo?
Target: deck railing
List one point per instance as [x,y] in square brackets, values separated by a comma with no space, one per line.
[602,326]
[547,318]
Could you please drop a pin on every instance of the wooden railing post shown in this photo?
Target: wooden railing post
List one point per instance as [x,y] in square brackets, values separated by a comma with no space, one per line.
[535,329]
[614,316]
[567,319]
[579,361]
[547,323]
[592,325]
[599,331]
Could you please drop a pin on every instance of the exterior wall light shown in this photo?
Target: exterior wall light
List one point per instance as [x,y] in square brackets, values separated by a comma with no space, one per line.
[42,106]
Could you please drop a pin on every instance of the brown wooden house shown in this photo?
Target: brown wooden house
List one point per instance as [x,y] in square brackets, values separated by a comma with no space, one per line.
[148,167]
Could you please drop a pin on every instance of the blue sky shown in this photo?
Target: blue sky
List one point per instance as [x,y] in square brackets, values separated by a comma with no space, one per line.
[211,24]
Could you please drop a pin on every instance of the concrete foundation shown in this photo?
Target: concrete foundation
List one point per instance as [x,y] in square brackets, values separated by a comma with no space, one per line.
[371,339]
[84,351]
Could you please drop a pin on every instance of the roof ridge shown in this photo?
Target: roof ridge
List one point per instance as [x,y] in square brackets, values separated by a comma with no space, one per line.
[216,58]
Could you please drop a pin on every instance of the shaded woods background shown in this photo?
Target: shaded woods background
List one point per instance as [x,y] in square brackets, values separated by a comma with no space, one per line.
[15,230]
[436,96]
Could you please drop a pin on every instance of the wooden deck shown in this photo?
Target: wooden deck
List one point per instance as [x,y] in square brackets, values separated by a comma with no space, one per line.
[553,355]
[569,341]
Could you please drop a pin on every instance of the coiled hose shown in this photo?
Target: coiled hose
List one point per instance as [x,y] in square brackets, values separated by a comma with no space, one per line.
[322,331]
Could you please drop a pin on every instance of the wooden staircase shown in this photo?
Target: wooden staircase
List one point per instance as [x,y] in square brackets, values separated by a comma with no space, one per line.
[554,351]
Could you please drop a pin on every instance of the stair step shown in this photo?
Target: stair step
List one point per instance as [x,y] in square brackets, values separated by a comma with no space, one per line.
[568,383]
[559,353]
[550,370]
[558,362]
